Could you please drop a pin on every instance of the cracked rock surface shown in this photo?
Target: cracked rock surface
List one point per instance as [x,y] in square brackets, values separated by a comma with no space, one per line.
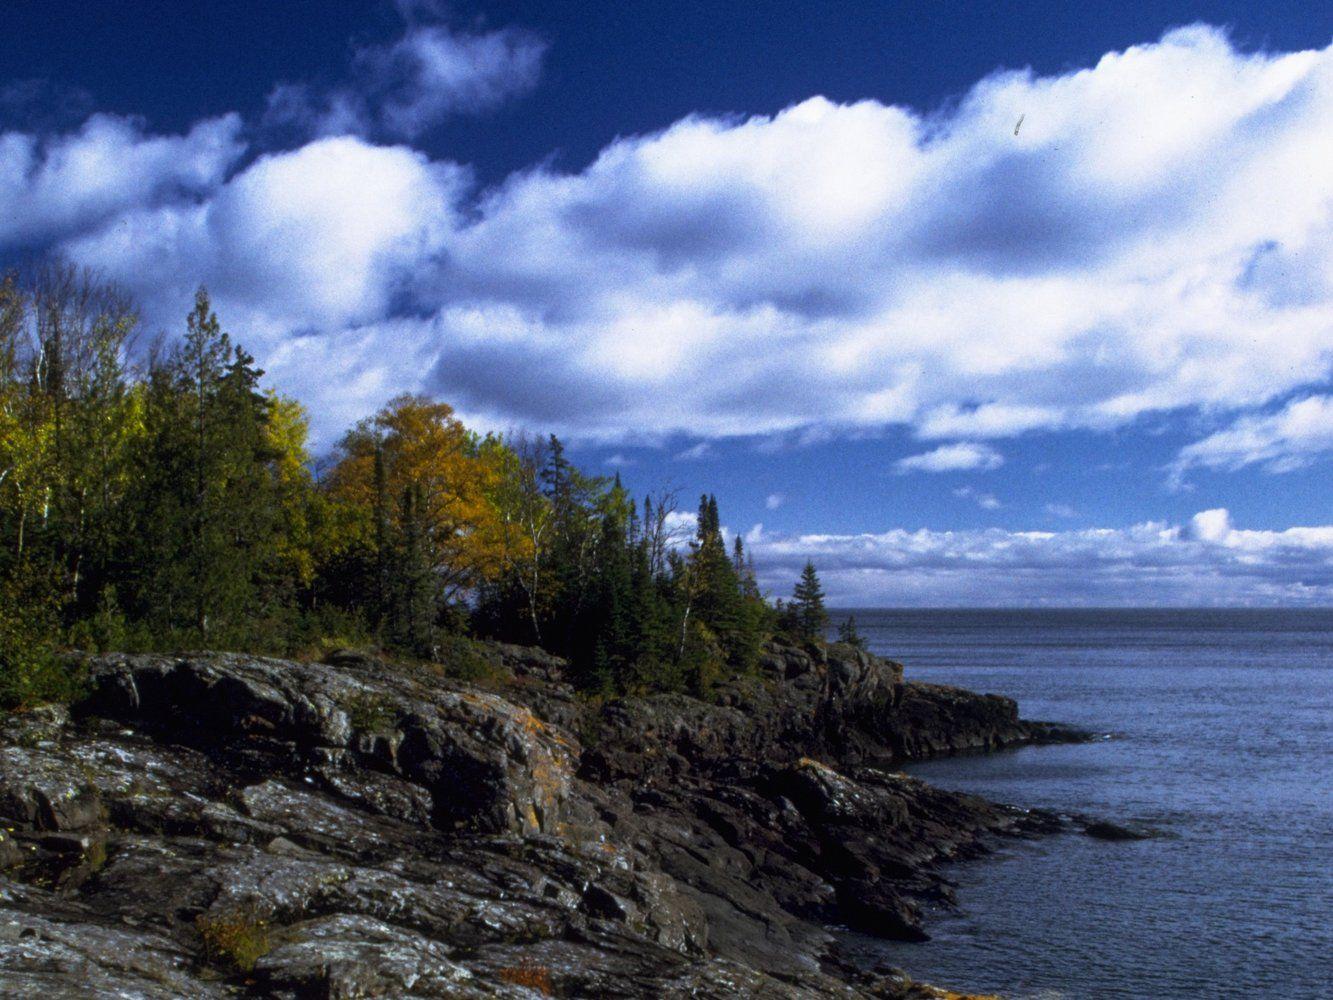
[222,825]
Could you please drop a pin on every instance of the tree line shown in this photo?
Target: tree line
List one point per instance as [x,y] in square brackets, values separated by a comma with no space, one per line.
[173,504]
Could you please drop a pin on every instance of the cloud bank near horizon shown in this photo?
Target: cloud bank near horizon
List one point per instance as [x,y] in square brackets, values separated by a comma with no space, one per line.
[1206,561]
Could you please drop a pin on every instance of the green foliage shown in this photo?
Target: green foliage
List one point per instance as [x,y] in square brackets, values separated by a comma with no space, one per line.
[316,632]
[848,634]
[210,512]
[237,938]
[608,587]
[106,629]
[177,507]
[29,671]
[371,713]
[805,617]
[460,657]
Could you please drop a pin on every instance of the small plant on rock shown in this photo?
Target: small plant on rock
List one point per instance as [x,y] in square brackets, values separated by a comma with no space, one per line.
[370,713]
[238,938]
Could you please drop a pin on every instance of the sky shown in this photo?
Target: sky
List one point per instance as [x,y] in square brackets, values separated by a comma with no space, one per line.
[968,304]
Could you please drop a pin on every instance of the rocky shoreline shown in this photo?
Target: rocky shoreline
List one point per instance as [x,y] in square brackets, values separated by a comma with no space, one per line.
[220,825]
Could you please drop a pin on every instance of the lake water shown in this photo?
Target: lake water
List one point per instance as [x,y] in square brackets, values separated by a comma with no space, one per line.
[1222,738]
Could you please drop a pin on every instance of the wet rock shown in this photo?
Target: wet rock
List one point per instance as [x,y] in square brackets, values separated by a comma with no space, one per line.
[352,956]
[1103,830]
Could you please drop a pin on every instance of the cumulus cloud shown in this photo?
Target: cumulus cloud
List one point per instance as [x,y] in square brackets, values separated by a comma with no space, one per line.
[859,265]
[316,239]
[773,501]
[407,87]
[54,186]
[1157,237]
[1206,561]
[960,457]
[1293,437]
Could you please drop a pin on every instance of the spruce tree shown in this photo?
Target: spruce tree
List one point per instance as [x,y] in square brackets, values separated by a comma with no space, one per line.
[208,511]
[848,633]
[413,612]
[807,605]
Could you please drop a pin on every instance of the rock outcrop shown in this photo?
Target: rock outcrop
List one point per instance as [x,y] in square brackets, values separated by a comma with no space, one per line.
[219,825]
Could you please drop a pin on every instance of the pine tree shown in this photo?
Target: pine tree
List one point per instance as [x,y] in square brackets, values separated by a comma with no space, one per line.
[209,511]
[807,605]
[606,619]
[848,634]
[413,609]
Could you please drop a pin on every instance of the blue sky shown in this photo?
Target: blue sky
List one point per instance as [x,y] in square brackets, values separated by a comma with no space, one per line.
[971,304]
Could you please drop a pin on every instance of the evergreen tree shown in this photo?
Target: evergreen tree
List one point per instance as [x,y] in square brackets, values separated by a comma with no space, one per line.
[807,605]
[608,644]
[209,510]
[847,633]
[180,508]
[413,608]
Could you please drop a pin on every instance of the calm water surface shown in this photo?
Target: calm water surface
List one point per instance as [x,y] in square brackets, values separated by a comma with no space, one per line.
[1222,726]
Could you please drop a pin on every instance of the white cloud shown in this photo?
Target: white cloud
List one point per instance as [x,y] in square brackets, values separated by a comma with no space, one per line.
[1292,438]
[407,87]
[1060,510]
[1208,561]
[960,457]
[985,501]
[857,265]
[991,420]
[1158,236]
[1210,525]
[448,72]
[320,238]
[52,186]
[773,501]
[696,451]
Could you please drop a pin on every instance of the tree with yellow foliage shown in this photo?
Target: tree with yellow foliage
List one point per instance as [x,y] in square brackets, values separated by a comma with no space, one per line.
[412,492]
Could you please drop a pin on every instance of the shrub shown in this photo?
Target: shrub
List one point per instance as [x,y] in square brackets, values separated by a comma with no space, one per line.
[106,630]
[464,659]
[238,937]
[371,713]
[320,631]
[29,671]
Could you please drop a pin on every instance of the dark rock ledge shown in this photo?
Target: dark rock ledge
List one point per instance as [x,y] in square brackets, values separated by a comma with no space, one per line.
[219,825]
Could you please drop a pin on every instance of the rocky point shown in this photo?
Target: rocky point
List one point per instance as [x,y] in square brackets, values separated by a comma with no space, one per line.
[221,825]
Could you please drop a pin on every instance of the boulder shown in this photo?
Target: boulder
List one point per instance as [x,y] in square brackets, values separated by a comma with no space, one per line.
[483,761]
[1104,830]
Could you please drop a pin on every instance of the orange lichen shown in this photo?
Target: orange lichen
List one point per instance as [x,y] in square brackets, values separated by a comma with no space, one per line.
[529,974]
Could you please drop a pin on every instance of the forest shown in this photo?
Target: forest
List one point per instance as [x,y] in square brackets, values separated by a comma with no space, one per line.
[158,497]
